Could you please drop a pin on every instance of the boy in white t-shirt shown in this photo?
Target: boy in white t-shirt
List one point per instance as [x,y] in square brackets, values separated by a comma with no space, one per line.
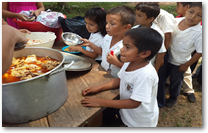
[165,21]
[146,12]
[186,38]
[137,80]
[118,20]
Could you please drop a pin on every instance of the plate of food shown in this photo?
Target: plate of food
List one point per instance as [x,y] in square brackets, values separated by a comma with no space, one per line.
[66,49]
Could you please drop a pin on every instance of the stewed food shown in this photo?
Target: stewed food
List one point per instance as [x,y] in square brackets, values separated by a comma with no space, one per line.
[23,68]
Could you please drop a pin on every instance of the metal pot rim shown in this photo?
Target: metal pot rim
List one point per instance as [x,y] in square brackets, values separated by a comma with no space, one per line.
[47,73]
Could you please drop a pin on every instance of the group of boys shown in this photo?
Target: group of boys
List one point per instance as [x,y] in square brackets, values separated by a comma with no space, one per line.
[158,46]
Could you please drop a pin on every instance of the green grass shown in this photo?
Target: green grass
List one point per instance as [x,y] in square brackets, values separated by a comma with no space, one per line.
[72,9]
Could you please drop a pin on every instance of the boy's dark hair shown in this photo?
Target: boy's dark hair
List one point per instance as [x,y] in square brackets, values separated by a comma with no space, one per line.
[97,15]
[185,3]
[146,39]
[197,4]
[152,9]
[127,14]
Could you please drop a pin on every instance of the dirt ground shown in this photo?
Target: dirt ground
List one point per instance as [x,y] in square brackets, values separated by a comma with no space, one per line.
[184,113]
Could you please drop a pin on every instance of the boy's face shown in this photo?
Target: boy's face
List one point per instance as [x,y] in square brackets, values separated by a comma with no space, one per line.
[91,26]
[113,25]
[141,18]
[129,52]
[193,15]
[180,9]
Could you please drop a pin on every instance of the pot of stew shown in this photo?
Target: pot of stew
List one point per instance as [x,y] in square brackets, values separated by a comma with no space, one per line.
[32,91]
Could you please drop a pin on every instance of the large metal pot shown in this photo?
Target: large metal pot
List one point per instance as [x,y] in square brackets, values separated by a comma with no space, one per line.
[31,99]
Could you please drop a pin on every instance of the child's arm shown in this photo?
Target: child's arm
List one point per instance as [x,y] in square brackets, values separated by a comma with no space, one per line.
[85,52]
[97,49]
[110,85]
[120,104]
[184,67]
[159,61]
[167,39]
[99,102]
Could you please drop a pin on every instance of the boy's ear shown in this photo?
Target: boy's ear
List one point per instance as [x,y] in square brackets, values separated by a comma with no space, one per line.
[187,7]
[128,27]
[145,54]
[151,19]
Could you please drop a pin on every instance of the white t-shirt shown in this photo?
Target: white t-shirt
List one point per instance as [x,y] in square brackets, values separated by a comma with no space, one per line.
[106,49]
[184,43]
[97,39]
[139,85]
[162,48]
[165,21]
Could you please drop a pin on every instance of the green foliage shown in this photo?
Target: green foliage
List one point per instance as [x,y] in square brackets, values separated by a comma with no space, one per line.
[72,9]
[170,8]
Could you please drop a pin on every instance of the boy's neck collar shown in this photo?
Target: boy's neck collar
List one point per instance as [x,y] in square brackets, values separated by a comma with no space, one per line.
[118,38]
[192,26]
[149,25]
[136,65]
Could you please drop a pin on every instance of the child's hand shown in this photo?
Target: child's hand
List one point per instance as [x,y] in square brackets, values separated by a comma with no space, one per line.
[92,102]
[74,48]
[85,42]
[183,67]
[111,58]
[89,90]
